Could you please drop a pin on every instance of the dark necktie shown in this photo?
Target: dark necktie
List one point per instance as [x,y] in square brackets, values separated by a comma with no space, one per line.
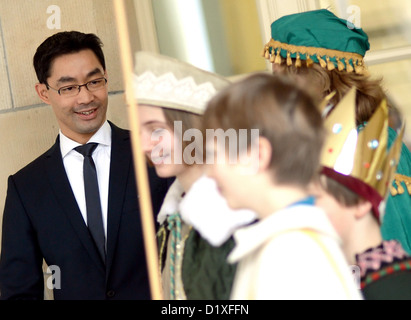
[93,204]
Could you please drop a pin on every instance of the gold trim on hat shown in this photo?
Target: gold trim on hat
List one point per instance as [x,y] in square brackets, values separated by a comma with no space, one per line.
[400,189]
[320,53]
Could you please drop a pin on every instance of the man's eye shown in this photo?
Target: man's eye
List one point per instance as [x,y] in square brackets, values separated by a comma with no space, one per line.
[68,89]
[95,82]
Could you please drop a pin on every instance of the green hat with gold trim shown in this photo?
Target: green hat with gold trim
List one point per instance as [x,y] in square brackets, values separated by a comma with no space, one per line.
[317,37]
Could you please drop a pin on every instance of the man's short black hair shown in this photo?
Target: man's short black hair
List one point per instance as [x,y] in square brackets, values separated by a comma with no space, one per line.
[64,43]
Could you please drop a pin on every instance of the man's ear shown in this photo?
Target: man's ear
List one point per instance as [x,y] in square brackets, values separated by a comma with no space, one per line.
[42,92]
[362,208]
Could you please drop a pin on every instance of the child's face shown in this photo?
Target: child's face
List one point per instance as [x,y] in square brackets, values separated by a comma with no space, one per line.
[157,140]
[235,177]
[232,183]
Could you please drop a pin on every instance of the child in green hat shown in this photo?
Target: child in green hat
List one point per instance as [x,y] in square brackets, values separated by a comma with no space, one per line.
[325,54]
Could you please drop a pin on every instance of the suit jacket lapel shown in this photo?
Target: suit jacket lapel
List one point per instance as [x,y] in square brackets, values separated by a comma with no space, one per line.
[61,188]
[119,174]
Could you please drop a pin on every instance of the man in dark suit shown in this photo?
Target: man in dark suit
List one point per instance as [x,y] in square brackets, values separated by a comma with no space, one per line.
[46,213]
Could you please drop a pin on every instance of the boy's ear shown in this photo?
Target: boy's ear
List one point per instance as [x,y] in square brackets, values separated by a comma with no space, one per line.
[362,209]
[42,92]
[264,153]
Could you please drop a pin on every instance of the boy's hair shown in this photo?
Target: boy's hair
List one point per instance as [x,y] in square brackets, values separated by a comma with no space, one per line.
[62,43]
[339,192]
[370,92]
[284,114]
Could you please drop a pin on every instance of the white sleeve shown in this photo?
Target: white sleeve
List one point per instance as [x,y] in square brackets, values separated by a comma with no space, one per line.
[296,266]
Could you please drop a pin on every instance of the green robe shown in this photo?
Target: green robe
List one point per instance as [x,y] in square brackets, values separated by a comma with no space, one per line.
[206,273]
[396,223]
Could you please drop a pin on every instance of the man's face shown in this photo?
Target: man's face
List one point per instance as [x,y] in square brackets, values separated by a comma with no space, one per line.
[81,115]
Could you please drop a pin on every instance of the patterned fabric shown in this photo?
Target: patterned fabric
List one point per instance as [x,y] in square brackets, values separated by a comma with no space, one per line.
[378,262]
[174,225]
[166,82]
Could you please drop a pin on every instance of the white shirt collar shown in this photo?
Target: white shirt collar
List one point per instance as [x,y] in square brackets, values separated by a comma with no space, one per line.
[204,209]
[102,136]
[207,211]
[171,201]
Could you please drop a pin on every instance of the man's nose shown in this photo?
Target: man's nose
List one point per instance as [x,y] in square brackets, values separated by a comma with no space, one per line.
[84,96]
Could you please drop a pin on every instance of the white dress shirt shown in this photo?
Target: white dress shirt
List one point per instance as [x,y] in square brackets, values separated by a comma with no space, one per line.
[73,163]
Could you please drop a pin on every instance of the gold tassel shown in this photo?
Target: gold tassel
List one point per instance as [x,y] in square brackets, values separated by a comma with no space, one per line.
[356,67]
[407,181]
[349,66]
[340,65]
[267,53]
[272,57]
[321,61]
[309,62]
[298,61]
[289,61]
[408,184]
[360,70]
[400,188]
[264,51]
[359,67]
[278,57]
[394,191]
[330,64]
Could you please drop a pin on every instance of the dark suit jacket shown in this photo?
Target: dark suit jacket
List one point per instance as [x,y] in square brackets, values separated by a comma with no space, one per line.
[42,220]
